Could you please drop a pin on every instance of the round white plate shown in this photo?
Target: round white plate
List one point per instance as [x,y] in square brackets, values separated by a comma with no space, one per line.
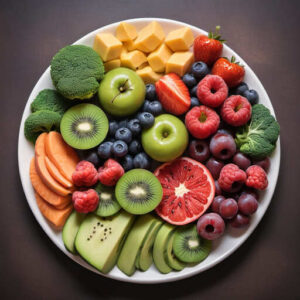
[222,248]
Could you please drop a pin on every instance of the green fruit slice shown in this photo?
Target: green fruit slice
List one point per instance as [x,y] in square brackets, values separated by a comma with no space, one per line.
[171,259]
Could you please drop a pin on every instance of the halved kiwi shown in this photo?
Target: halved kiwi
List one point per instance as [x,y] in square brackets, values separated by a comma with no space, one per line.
[84,126]
[188,246]
[138,191]
[108,204]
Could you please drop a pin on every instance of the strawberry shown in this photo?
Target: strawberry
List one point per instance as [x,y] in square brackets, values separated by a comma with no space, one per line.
[208,48]
[232,73]
[173,94]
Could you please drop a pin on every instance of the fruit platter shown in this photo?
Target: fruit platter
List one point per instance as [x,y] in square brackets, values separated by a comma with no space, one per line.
[148,150]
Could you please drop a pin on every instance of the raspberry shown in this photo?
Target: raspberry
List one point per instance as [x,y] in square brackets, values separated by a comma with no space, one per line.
[86,201]
[202,121]
[231,178]
[85,174]
[110,173]
[236,110]
[212,90]
[256,177]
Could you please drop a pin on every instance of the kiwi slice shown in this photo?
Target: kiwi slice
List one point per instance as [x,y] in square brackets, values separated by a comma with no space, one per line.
[171,259]
[84,126]
[188,246]
[108,204]
[138,191]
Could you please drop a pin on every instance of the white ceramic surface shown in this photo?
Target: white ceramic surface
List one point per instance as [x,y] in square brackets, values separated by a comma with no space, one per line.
[222,248]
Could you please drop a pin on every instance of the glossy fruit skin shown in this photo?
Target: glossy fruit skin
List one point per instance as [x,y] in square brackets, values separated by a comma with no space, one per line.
[228,208]
[135,127]
[134,147]
[206,49]
[189,80]
[123,123]
[173,94]
[202,121]
[119,148]
[146,119]
[264,163]
[210,226]
[145,105]
[141,161]
[150,92]
[123,134]
[215,206]
[199,150]
[193,92]
[166,139]
[232,73]
[113,127]
[93,158]
[218,190]
[247,204]
[194,102]
[239,221]
[105,150]
[127,162]
[155,108]
[214,166]
[241,160]
[222,145]
[199,69]
[240,89]
[252,96]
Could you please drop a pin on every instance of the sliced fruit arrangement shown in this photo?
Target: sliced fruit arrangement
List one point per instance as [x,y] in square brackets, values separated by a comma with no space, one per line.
[143,174]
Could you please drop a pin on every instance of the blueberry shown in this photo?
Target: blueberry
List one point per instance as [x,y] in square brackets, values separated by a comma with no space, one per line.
[199,69]
[194,102]
[127,162]
[146,105]
[240,89]
[119,148]
[93,157]
[193,91]
[155,108]
[134,126]
[113,126]
[252,96]
[105,149]
[123,123]
[134,147]
[123,134]
[111,140]
[150,92]
[141,161]
[189,80]
[146,119]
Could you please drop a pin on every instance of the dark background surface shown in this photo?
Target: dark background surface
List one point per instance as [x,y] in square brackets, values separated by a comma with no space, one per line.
[265,34]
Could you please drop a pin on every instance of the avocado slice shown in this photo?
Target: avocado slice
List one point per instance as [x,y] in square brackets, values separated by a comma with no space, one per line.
[99,239]
[171,259]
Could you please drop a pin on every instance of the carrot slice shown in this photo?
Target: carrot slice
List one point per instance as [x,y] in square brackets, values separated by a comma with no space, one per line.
[56,216]
[61,154]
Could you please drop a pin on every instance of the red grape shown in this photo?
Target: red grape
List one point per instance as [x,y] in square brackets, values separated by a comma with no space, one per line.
[247,204]
[228,208]
[210,226]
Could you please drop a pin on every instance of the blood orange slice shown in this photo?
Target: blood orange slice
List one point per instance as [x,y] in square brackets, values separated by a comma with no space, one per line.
[188,190]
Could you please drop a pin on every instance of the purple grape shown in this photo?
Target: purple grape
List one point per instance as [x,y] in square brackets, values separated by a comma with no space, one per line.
[210,226]
[264,163]
[241,160]
[199,150]
[222,145]
[251,192]
[247,204]
[239,220]
[218,190]
[216,203]
[214,166]
[228,208]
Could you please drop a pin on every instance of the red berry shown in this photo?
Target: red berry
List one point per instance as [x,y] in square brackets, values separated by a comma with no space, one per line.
[256,177]
[85,202]
[218,190]
[202,121]
[85,174]
[215,205]
[239,220]
[236,110]
[231,178]
[228,208]
[212,90]
[210,226]
[110,173]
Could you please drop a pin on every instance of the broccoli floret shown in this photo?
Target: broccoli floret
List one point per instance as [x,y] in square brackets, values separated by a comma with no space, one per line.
[39,122]
[76,71]
[50,100]
[258,139]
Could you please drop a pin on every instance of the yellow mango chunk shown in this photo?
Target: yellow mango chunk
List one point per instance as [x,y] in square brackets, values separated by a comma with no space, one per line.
[112,64]
[179,62]
[158,59]
[142,66]
[180,39]
[148,75]
[130,45]
[126,32]
[150,37]
[133,59]
[124,51]
[107,46]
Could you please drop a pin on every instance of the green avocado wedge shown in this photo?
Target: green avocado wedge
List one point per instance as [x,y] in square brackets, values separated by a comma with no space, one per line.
[171,259]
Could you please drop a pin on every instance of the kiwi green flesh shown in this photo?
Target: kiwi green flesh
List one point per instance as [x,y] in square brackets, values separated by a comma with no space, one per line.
[188,246]
[108,204]
[138,191]
[99,239]
[84,126]
[145,258]
[133,243]
[160,248]
[70,230]
[171,259]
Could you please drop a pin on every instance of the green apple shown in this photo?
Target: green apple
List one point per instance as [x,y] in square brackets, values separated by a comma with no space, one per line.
[166,139]
[121,92]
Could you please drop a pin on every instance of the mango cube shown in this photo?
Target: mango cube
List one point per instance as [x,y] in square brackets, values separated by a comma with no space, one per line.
[150,37]
[158,59]
[126,32]
[179,62]
[112,64]
[148,75]
[180,39]
[107,46]
[130,45]
[133,59]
